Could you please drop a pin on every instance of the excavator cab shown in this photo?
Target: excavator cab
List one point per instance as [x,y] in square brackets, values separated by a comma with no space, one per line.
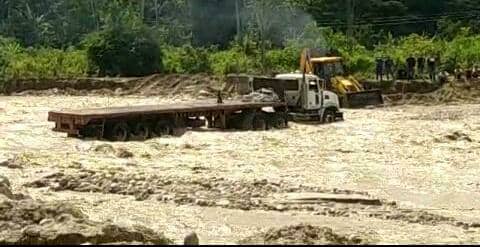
[332,70]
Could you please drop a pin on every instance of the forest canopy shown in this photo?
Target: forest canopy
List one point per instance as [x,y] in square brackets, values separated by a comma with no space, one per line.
[222,36]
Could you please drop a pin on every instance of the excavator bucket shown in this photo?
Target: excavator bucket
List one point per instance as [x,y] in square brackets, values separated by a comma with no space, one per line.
[363,98]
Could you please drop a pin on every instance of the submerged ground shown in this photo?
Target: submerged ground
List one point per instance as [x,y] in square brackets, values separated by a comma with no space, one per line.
[420,162]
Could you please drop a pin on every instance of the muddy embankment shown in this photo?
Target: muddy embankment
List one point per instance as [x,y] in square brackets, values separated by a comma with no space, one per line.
[421,92]
[158,85]
[24,220]
[452,92]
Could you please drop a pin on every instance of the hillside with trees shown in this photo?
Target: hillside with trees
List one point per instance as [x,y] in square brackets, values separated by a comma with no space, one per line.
[71,38]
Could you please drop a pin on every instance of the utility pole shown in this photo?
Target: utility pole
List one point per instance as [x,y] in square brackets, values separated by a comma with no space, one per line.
[94,11]
[156,12]
[237,13]
[142,11]
[350,19]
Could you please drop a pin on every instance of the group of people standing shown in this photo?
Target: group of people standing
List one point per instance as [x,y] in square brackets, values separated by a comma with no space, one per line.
[414,66]
[468,74]
[384,67]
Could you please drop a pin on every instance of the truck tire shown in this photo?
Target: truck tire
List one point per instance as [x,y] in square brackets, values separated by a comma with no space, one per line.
[279,109]
[278,122]
[247,121]
[259,122]
[163,128]
[328,116]
[142,130]
[180,127]
[119,132]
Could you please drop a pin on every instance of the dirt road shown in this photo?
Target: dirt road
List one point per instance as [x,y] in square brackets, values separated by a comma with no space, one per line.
[414,169]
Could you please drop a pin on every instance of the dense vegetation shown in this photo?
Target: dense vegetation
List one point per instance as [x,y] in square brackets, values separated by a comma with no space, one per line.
[71,38]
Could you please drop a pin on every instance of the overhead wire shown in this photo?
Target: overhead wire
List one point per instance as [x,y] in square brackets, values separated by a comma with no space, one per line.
[409,20]
[393,20]
[406,16]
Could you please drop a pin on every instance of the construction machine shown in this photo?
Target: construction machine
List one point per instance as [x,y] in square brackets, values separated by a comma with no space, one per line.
[331,69]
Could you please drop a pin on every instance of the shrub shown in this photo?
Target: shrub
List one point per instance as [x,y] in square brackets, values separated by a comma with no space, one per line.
[8,49]
[283,60]
[185,59]
[17,62]
[463,51]
[46,63]
[123,51]
[231,61]
[360,63]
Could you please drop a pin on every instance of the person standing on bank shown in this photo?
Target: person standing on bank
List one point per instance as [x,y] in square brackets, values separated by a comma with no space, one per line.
[420,66]
[411,68]
[380,69]
[389,68]
[431,64]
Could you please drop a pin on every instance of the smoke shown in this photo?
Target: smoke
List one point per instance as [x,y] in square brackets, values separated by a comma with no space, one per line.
[277,21]
[214,22]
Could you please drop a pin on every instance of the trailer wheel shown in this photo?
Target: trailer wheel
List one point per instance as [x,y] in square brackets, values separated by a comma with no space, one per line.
[259,122]
[163,128]
[279,109]
[278,122]
[119,132]
[329,116]
[142,130]
[180,127]
[247,120]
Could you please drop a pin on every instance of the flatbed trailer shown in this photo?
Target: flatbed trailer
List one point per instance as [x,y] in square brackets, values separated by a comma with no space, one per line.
[143,122]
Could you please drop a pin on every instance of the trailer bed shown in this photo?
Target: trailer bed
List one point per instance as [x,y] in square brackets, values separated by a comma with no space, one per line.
[161,109]
[73,121]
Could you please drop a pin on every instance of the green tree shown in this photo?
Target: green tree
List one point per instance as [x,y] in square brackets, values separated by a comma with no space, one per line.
[125,46]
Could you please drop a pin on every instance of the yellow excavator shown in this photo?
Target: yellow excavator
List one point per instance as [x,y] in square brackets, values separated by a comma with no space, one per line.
[351,93]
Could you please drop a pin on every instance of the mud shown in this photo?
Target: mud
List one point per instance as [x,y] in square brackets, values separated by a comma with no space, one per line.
[418,92]
[198,190]
[34,222]
[402,174]
[453,92]
[389,87]
[244,195]
[13,163]
[302,234]
[27,221]
[200,85]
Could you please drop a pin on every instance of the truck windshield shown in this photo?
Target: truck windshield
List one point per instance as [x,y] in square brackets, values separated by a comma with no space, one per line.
[313,86]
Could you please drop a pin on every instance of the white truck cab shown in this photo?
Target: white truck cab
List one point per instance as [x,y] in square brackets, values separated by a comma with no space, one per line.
[309,99]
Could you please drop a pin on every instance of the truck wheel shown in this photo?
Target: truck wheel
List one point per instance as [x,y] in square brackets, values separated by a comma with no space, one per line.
[180,127]
[163,128]
[278,122]
[142,130]
[119,132]
[329,116]
[259,122]
[247,121]
[279,109]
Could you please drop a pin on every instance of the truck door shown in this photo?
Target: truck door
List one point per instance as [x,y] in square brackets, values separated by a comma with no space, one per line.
[314,95]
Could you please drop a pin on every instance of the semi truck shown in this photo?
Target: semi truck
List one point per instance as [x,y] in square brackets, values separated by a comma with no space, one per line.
[300,98]
[304,95]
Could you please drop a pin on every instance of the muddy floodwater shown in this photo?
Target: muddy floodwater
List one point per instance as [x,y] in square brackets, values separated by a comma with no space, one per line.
[414,171]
